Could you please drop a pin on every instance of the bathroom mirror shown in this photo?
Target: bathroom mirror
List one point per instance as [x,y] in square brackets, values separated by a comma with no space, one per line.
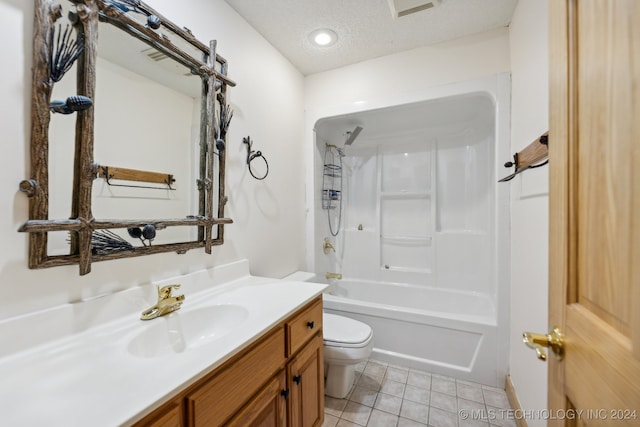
[129,141]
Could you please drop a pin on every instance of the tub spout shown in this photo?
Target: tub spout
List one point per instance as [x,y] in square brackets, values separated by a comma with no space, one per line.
[333,276]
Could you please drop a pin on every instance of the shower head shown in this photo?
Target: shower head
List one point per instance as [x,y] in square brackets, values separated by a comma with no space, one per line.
[351,136]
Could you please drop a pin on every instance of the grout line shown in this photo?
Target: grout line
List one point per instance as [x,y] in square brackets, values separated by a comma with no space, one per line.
[429,390]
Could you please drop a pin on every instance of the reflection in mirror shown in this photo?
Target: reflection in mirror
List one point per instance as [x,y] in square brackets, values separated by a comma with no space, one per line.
[62,145]
[123,146]
[147,117]
[58,243]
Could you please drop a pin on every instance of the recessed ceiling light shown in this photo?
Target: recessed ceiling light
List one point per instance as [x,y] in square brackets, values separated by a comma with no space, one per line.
[323,37]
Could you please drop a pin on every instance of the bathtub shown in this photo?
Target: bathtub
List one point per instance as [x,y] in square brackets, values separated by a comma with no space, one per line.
[450,333]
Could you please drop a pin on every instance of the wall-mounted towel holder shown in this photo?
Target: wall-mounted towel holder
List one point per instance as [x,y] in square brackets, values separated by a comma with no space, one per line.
[529,157]
[251,156]
[110,173]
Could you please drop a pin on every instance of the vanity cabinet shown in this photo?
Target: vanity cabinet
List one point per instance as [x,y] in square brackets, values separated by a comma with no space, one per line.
[218,398]
[276,381]
[170,415]
[306,385]
[267,408]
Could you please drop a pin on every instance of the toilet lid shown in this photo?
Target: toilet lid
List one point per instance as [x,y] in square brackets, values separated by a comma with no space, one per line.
[344,331]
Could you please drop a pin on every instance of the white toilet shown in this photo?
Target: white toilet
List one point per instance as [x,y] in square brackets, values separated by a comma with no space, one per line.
[347,342]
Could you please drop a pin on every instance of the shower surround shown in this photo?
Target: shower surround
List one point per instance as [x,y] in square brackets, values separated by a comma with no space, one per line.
[423,237]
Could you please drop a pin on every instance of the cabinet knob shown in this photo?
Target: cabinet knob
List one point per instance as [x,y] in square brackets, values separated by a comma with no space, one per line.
[297,379]
[311,324]
[284,393]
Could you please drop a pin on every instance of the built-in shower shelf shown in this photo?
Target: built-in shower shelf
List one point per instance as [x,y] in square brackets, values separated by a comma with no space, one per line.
[462,231]
[407,269]
[425,240]
[405,194]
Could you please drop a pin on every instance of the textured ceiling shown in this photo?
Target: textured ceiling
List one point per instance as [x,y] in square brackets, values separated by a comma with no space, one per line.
[366,28]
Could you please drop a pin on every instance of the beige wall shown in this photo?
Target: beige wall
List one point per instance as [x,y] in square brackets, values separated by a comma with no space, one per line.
[268,215]
[529,201]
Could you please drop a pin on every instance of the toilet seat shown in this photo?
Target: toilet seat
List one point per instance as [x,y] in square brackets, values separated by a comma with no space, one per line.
[340,331]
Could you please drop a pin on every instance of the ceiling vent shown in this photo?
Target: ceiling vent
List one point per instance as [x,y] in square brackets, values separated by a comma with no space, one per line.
[154,54]
[173,66]
[401,8]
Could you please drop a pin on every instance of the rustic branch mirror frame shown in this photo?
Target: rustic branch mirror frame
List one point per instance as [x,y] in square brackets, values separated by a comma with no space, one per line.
[82,224]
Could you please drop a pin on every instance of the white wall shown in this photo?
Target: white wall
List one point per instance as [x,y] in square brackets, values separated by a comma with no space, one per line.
[268,215]
[389,77]
[529,202]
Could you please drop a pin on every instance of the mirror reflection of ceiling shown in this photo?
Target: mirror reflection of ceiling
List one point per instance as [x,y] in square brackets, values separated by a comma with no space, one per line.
[366,29]
[118,47]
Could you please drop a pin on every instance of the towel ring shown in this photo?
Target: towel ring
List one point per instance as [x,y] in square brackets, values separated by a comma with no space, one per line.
[252,155]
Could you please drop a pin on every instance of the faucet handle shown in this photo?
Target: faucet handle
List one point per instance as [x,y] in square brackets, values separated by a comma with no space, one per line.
[165,291]
[327,246]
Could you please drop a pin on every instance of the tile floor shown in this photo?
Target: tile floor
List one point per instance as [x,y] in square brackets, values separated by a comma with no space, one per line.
[392,396]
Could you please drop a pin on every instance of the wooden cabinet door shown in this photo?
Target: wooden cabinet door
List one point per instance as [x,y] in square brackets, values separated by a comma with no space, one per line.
[306,385]
[267,408]
[220,397]
[594,159]
[171,415]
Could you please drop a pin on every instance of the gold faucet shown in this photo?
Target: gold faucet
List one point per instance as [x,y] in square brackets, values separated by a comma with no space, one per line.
[166,303]
[327,246]
[333,276]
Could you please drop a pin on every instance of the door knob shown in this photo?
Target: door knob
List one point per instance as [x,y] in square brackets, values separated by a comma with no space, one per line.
[553,340]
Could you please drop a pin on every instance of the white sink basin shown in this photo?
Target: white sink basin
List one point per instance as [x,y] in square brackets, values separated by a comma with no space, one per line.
[184,330]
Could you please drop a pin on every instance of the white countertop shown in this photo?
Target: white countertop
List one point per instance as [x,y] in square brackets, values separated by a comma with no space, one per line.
[91,379]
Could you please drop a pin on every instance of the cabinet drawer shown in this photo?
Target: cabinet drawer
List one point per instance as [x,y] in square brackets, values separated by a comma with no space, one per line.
[222,396]
[305,325]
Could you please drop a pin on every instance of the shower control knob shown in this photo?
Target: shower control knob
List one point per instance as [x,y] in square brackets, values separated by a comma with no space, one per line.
[311,324]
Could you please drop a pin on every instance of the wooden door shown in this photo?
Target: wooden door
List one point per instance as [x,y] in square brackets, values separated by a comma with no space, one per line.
[594,283]
[306,383]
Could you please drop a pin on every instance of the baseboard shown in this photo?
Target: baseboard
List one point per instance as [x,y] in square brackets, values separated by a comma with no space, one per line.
[514,402]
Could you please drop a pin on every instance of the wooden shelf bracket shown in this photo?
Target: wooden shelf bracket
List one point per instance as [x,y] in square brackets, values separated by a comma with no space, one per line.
[110,173]
[529,157]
